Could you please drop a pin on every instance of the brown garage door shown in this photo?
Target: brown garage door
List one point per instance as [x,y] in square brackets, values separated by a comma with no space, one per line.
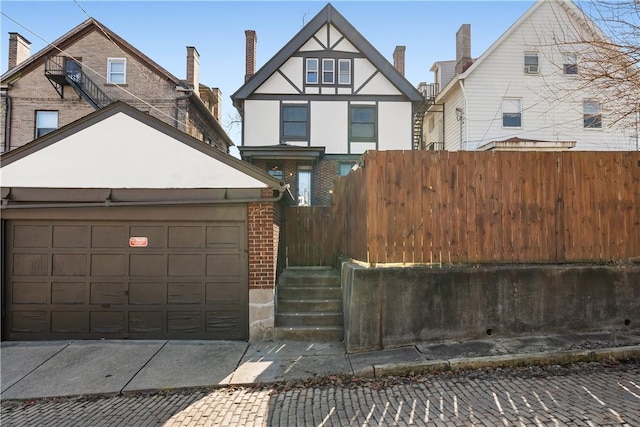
[85,279]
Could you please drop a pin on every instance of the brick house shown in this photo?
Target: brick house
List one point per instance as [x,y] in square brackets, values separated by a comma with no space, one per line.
[102,240]
[86,69]
[324,99]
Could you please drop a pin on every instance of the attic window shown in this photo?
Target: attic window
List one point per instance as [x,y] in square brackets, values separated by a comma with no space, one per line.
[531,63]
[117,70]
[344,71]
[328,71]
[312,70]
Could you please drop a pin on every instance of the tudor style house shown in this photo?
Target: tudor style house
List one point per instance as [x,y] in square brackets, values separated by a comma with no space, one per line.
[523,92]
[90,67]
[324,99]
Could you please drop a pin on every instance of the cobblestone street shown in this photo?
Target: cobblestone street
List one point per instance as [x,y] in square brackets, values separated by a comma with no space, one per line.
[587,394]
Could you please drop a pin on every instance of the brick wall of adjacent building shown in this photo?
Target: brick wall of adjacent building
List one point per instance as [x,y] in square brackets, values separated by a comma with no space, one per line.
[264,236]
[145,89]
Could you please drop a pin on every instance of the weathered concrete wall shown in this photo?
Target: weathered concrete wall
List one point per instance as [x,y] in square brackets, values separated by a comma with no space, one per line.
[390,307]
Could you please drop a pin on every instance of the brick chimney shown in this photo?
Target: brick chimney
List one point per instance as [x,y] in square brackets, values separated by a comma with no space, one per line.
[463,48]
[250,60]
[193,69]
[217,107]
[19,49]
[398,58]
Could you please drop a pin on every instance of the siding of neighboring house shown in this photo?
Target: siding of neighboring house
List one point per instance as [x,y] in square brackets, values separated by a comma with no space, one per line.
[552,108]
[146,87]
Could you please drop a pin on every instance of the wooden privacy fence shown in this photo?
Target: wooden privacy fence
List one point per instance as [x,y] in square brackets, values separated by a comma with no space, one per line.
[452,207]
[309,236]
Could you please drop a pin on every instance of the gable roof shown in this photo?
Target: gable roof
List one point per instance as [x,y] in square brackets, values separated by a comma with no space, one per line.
[567,5]
[328,15]
[133,150]
[71,37]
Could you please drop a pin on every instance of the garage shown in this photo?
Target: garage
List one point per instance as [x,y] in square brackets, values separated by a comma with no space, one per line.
[88,258]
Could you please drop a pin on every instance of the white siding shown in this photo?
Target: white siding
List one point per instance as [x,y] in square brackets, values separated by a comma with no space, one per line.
[394,126]
[329,124]
[552,108]
[264,117]
[92,158]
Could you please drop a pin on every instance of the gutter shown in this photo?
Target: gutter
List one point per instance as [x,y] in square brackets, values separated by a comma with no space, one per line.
[108,203]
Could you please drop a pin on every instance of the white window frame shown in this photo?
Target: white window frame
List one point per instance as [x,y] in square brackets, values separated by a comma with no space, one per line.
[529,67]
[111,73]
[40,117]
[585,115]
[329,70]
[346,74]
[507,103]
[312,70]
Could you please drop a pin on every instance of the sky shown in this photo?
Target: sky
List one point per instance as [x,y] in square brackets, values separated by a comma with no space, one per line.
[163,29]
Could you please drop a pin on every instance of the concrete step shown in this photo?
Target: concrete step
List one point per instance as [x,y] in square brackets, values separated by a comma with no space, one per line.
[309,319]
[309,305]
[309,292]
[309,277]
[309,333]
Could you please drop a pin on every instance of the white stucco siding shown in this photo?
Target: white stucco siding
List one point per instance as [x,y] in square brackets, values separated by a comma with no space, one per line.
[345,46]
[552,105]
[362,70]
[292,84]
[311,45]
[264,117]
[121,152]
[334,35]
[329,126]
[394,126]
[379,85]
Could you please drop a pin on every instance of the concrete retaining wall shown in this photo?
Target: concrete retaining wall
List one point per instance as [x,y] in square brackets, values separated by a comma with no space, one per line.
[391,307]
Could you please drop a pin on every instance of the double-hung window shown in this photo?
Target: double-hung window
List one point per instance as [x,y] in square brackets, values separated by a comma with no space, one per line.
[312,71]
[328,71]
[295,122]
[570,61]
[46,121]
[344,71]
[117,70]
[592,114]
[363,123]
[511,112]
[531,63]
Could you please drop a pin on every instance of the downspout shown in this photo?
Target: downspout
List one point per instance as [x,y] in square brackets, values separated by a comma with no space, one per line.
[7,125]
[464,145]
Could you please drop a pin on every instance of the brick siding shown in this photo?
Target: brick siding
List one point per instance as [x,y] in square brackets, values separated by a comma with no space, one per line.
[264,236]
[144,86]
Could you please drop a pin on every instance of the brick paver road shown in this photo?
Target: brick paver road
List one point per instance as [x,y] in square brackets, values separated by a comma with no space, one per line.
[588,395]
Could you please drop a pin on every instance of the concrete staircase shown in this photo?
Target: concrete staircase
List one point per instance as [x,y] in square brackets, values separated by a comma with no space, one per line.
[309,305]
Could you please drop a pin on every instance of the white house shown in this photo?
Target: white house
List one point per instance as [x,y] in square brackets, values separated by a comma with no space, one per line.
[524,91]
[324,99]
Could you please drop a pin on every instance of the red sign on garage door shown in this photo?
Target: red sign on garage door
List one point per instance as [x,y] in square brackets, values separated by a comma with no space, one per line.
[138,242]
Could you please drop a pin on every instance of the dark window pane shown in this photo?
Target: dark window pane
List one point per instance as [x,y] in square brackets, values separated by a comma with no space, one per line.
[298,129]
[511,120]
[570,69]
[361,130]
[312,77]
[294,113]
[362,115]
[592,121]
